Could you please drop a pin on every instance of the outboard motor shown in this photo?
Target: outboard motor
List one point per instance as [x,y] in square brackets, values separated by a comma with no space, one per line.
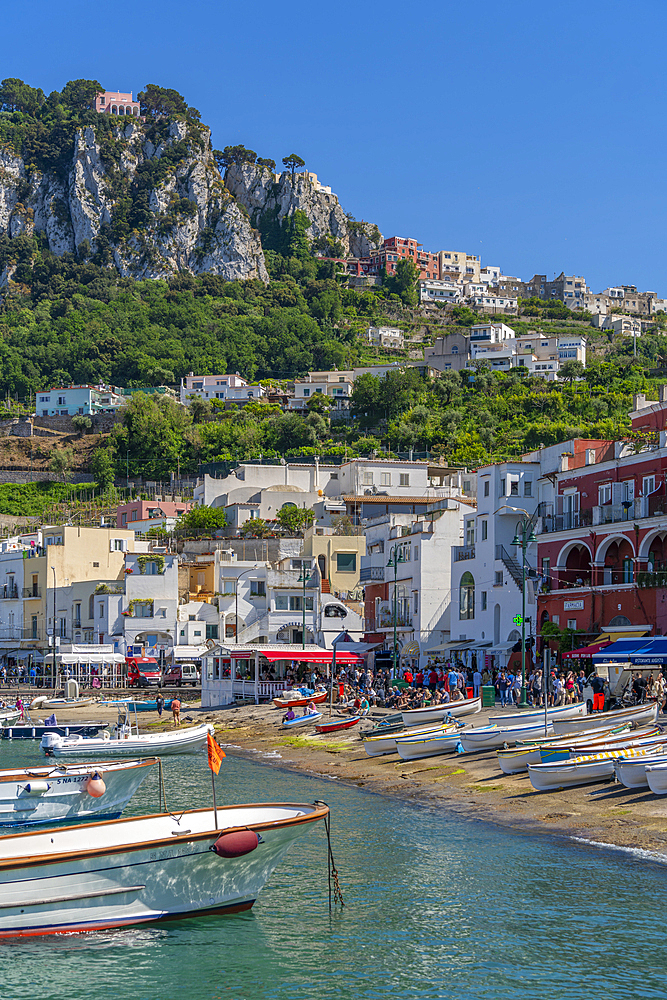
[49,740]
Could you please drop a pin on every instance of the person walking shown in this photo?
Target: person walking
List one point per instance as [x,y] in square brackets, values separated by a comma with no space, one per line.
[476,683]
[176,710]
[159,703]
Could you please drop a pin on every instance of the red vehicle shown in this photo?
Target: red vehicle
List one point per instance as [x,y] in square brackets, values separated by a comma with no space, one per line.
[142,671]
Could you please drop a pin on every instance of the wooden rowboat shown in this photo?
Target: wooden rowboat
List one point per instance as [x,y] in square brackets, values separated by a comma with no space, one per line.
[297,702]
[335,724]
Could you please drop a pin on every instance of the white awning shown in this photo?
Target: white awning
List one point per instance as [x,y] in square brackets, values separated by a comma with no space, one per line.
[502,647]
[189,652]
[88,658]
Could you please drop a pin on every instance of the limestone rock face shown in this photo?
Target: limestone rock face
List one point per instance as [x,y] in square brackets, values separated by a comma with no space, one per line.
[267,195]
[154,206]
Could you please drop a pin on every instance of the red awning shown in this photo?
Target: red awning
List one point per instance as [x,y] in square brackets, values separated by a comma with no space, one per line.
[307,655]
[585,652]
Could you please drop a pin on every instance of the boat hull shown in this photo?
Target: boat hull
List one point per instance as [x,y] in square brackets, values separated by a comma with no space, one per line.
[26,731]
[302,720]
[457,709]
[575,711]
[490,738]
[333,727]
[656,776]
[66,799]
[640,713]
[167,870]
[176,742]
[298,702]
[632,773]
[427,746]
[551,777]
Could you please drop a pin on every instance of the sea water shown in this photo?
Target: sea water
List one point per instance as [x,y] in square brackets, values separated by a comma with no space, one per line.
[436,906]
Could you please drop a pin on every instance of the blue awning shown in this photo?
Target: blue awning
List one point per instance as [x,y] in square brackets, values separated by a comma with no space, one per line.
[622,649]
[651,651]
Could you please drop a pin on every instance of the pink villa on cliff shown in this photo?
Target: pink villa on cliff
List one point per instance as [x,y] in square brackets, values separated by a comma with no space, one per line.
[115,103]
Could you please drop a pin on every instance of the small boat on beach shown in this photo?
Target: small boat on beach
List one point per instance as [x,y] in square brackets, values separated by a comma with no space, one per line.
[638,713]
[586,770]
[631,771]
[65,793]
[514,760]
[656,775]
[126,741]
[145,868]
[295,699]
[302,720]
[334,725]
[491,737]
[43,701]
[560,712]
[428,744]
[377,745]
[436,713]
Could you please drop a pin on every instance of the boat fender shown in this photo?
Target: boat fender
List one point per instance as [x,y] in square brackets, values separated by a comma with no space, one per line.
[36,787]
[95,785]
[459,747]
[235,845]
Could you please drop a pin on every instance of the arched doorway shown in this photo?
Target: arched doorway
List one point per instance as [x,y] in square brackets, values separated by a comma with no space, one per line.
[467,597]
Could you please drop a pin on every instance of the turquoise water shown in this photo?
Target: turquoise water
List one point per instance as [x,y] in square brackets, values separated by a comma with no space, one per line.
[436,907]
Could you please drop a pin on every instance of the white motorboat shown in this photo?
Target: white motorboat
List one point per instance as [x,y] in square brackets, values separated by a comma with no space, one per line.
[61,793]
[148,868]
[560,712]
[631,772]
[583,770]
[124,743]
[638,713]
[428,745]
[9,715]
[656,775]
[436,713]
[491,737]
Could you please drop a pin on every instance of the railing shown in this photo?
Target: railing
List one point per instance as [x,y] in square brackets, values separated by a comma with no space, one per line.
[32,592]
[569,520]
[375,573]
[462,552]
[657,578]
[612,513]
[9,593]
[510,564]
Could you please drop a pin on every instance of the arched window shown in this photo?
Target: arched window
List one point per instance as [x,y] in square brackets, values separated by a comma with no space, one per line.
[136,112]
[114,109]
[455,348]
[619,620]
[467,597]
[91,607]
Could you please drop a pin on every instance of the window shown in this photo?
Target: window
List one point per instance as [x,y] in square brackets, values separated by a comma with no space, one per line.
[100,609]
[150,568]
[604,493]
[385,479]
[486,487]
[77,616]
[346,562]
[502,488]
[143,609]
[470,532]
[306,392]
[182,633]
[33,626]
[572,623]
[415,602]
[528,487]
[281,602]
[228,587]
[483,600]
[499,578]
[198,633]
[257,588]
[211,631]
[627,570]
[467,597]
[485,530]
[368,478]
[648,485]
[161,613]
[119,545]
[62,627]
[123,518]
[514,487]
[91,607]
[133,515]
[466,486]
[404,479]
[62,401]
[455,348]
[416,553]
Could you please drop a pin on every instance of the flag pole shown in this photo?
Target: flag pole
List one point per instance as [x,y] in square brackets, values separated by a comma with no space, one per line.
[215,804]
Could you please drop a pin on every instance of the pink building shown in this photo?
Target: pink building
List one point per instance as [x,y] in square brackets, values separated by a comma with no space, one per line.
[115,103]
[142,515]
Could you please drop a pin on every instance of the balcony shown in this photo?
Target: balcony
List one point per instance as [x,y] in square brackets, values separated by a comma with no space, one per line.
[612,513]
[31,592]
[569,520]
[374,574]
[462,552]
[8,593]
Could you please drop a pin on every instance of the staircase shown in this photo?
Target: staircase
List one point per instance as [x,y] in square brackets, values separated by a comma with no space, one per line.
[326,587]
[511,565]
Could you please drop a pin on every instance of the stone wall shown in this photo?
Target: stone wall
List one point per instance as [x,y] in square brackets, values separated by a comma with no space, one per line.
[26,476]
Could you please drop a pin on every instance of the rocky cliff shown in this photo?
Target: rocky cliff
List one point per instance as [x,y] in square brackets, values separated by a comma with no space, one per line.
[147,199]
[270,196]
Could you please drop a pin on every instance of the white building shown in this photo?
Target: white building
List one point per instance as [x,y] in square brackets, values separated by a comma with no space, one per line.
[439,291]
[385,336]
[230,388]
[151,600]
[74,400]
[490,302]
[486,570]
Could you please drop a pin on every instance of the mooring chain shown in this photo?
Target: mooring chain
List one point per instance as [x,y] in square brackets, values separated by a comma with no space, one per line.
[332,871]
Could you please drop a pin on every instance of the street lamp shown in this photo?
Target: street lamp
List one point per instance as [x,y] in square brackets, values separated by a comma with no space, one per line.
[524,537]
[395,557]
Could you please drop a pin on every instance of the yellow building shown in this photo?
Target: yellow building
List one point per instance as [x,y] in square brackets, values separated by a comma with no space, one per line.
[338,557]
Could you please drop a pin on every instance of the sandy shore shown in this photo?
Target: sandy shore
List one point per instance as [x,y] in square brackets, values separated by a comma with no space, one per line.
[469,783]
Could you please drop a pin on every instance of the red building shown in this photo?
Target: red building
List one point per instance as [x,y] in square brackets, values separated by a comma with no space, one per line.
[602,546]
[116,103]
[396,248]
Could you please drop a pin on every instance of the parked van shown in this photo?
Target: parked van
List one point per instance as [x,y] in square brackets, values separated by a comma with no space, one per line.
[182,673]
[142,671]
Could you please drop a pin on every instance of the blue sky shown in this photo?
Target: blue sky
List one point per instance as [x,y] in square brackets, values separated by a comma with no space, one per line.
[533,135]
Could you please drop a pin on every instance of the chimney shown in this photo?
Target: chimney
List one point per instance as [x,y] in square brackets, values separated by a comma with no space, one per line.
[638,401]
[663,394]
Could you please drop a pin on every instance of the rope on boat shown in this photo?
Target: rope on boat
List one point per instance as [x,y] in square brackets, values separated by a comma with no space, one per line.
[161,791]
[332,871]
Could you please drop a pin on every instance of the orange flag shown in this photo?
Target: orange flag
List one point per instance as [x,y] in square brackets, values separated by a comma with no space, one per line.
[215,754]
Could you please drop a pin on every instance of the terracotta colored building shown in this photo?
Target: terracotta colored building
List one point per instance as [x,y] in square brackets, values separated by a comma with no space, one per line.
[116,103]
